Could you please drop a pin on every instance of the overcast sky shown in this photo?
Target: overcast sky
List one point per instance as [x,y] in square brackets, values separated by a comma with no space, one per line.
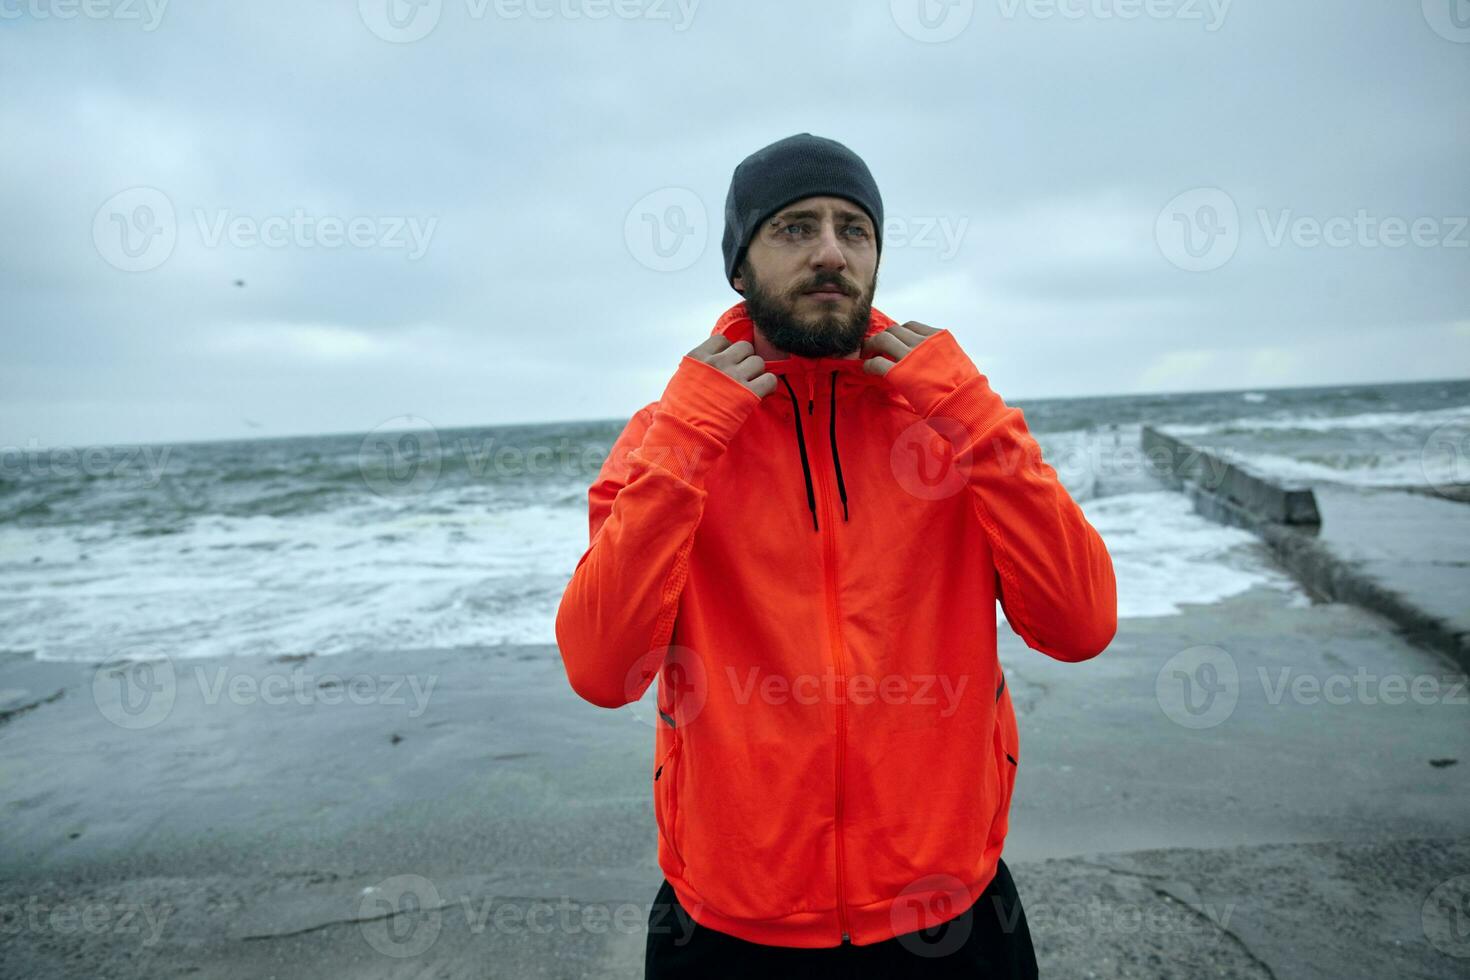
[488,211]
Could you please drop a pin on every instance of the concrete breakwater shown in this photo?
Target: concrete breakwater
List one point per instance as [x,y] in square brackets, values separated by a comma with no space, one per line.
[1402,555]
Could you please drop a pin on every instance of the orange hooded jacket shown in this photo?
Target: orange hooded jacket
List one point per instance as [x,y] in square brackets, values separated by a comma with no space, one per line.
[813,576]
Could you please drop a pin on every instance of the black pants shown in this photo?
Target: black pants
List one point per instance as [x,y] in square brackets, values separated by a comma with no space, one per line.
[990,940]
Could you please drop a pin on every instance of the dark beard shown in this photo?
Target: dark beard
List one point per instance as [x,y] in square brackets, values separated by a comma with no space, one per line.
[830,333]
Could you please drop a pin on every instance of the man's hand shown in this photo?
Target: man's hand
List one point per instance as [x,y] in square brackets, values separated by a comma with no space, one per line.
[739,361]
[894,343]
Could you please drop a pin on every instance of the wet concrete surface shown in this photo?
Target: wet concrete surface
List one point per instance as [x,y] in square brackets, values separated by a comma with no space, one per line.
[1260,787]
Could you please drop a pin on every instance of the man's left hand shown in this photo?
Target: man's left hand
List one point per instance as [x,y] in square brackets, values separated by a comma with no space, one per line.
[895,342]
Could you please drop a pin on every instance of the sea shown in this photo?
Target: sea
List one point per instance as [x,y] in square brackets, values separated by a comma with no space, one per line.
[411,538]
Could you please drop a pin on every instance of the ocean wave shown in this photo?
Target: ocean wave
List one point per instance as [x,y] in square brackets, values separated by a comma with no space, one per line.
[1420,420]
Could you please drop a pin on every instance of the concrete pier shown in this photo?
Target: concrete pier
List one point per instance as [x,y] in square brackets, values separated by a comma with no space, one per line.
[1404,555]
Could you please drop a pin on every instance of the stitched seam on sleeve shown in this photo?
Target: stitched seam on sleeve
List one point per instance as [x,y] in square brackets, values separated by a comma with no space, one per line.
[672,589]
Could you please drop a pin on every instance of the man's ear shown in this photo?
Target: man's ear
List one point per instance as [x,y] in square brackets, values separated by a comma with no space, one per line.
[741,268]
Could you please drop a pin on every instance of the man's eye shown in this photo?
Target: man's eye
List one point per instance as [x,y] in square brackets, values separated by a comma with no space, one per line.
[858,231]
[794,229]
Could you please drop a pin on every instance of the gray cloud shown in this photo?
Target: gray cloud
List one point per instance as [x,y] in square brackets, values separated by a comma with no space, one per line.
[1028,159]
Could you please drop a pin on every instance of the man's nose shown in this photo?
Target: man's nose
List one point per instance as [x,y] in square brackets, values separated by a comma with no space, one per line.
[828,254]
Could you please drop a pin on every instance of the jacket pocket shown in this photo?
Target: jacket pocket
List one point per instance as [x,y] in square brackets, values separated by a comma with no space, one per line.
[666,796]
[1005,744]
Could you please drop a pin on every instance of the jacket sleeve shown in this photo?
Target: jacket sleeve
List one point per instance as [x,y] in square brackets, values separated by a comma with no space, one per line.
[617,613]
[1054,574]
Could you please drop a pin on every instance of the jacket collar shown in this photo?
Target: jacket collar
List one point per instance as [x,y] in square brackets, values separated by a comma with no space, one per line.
[811,374]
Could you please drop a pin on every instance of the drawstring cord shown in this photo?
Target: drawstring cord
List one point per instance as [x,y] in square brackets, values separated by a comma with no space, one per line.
[832,434]
[806,469]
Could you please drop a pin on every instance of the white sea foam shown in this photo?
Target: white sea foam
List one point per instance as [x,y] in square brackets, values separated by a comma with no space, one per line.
[1371,449]
[1426,420]
[1380,471]
[1166,556]
[264,585]
[324,583]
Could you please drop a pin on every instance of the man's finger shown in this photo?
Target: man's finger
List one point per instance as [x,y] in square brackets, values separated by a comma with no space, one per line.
[910,337]
[763,385]
[886,343]
[733,354]
[921,328]
[711,346]
[751,367]
[877,365]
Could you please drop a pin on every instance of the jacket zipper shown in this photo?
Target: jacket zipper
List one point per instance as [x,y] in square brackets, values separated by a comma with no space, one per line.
[834,637]
[670,806]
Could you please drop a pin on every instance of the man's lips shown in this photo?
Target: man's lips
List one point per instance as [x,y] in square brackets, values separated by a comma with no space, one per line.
[826,292]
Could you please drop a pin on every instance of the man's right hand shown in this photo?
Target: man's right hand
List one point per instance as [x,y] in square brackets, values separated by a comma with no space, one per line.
[739,360]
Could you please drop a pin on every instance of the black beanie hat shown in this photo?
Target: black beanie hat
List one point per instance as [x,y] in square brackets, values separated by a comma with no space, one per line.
[788,170]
